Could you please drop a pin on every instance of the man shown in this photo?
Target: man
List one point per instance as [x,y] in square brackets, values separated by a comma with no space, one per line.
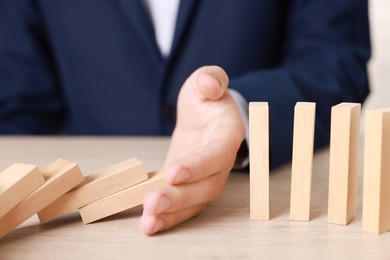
[102,67]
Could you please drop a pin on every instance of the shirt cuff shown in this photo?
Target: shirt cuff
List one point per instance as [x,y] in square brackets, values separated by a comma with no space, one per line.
[242,105]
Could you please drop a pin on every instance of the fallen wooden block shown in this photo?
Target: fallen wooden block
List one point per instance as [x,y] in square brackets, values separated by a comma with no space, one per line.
[61,176]
[16,183]
[259,160]
[96,186]
[123,200]
[376,180]
[343,163]
[302,160]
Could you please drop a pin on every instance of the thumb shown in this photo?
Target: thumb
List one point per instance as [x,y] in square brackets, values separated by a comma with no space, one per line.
[211,81]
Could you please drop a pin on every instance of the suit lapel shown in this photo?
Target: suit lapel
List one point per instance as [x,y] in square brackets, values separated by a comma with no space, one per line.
[187,9]
[139,19]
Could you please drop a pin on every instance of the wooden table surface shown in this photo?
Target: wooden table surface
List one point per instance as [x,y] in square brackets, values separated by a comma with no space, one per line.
[222,231]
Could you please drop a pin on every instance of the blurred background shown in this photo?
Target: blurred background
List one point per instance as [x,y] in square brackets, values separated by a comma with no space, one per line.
[379,65]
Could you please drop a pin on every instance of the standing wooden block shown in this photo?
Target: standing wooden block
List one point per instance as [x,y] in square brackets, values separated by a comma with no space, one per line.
[61,176]
[16,183]
[376,181]
[123,200]
[343,164]
[259,160]
[302,160]
[97,186]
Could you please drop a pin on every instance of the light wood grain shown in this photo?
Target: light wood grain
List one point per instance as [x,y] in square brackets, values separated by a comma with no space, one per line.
[96,186]
[376,194]
[60,177]
[259,160]
[302,160]
[16,183]
[123,200]
[343,163]
[222,231]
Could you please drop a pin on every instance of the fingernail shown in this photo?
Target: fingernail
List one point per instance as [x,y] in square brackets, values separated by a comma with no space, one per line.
[182,176]
[163,204]
[159,225]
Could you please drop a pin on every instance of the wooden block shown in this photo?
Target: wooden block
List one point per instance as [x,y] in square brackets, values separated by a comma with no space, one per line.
[259,160]
[16,183]
[343,164]
[61,176]
[97,186]
[302,160]
[376,180]
[123,200]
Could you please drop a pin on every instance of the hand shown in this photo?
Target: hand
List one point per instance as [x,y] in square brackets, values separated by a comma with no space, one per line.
[208,133]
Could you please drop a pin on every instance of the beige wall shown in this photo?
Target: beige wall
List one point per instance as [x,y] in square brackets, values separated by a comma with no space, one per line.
[379,66]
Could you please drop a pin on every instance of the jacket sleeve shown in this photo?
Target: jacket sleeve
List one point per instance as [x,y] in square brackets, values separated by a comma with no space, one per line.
[325,53]
[30,103]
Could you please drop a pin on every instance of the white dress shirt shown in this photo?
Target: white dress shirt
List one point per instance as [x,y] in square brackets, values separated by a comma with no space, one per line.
[163,14]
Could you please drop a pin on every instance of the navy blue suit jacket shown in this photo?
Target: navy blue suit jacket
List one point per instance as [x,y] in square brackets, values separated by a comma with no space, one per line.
[94,67]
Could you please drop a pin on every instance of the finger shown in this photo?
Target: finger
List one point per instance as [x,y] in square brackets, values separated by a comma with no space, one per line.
[211,82]
[209,86]
[174,198]
[150,224]
[212,158]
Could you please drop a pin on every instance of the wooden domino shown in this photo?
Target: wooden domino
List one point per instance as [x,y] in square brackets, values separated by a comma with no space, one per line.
[302,160]
[376,180]
[16,183]
[343,163]
[61,176]
[123,200]
[97,186]
[259,160]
